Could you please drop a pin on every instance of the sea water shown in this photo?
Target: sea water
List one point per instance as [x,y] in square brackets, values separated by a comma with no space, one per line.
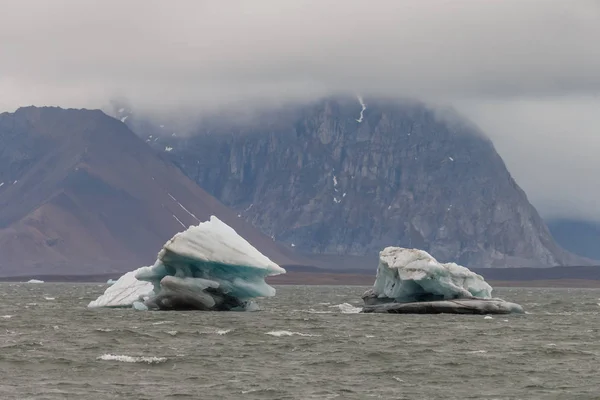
[308,342]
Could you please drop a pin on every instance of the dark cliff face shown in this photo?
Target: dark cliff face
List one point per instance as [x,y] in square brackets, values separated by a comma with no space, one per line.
[323,180]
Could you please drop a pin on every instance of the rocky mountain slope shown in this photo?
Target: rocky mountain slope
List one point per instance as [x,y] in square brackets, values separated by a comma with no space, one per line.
[80,193]
[346,176]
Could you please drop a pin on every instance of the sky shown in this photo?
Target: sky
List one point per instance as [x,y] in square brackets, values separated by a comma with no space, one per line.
[526,71]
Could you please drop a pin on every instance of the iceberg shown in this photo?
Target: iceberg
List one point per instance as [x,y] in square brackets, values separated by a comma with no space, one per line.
[206,267]
[34,281]
[412,281]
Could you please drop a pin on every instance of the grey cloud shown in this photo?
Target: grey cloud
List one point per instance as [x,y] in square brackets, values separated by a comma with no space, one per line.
[519,68]
[213,51]
[552,149]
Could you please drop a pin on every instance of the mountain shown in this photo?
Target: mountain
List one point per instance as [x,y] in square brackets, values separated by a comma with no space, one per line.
[80,193]
[577,236]
[345,177]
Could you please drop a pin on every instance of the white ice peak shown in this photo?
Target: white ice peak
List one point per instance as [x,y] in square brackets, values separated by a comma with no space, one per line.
[364,107]
[205,265]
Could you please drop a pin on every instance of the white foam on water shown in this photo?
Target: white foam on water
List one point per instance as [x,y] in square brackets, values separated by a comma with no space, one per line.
[104,330]
[50,298]
[478,352]
[288,333]
[162,322]
[488,317]
[311,311]
[172,333]
[223,331]
[347,308]
[369,336]
[131,359]
[7,316]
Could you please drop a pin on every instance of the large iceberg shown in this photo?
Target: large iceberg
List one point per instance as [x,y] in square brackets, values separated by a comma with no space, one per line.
[415,282]
[206,267]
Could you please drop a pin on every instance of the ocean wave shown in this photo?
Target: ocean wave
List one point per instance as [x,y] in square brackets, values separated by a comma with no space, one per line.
[132,359]
[288,333]
[313,311]
[347,308]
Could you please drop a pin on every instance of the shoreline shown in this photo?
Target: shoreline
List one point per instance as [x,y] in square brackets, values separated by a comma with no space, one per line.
[323,279]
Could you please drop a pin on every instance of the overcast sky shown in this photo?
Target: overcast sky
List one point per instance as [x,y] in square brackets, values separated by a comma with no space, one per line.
[526,71]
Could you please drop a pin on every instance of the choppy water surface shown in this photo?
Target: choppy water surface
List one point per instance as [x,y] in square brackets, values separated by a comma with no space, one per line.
[303,345]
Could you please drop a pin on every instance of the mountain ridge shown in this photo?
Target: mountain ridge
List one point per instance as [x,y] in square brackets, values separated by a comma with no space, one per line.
[320,178]
[82,193]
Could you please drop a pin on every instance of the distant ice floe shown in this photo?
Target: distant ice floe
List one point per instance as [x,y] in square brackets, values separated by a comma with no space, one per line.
[407,275]
[34,281]
[412,281]
[206,267]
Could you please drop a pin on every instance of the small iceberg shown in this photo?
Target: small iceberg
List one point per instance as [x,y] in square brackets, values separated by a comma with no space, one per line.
[411,281]
[206,267]
[35,281]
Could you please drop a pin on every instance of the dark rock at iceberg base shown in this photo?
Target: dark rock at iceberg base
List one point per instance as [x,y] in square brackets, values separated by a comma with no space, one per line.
[458,306]
[208,300]
[370,298]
